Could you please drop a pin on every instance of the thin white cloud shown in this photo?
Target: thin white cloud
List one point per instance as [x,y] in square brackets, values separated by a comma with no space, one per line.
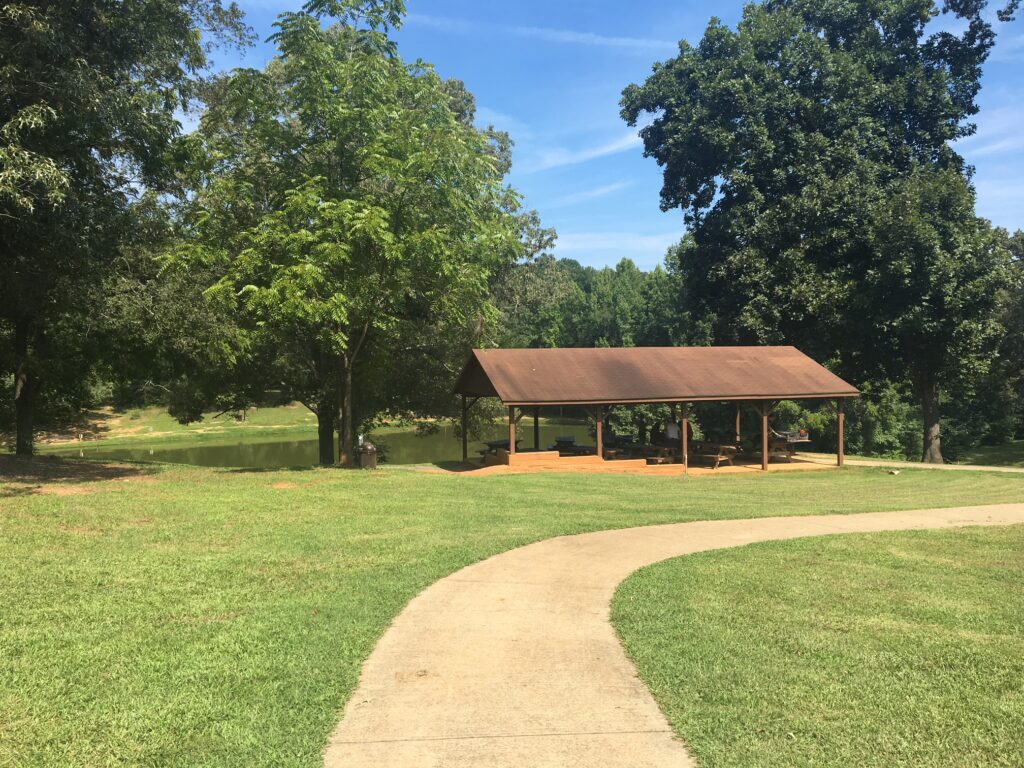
[588,194]
[998,133]
[503,122]
[624,242]
[1008,48]
[589,38]
[547,34]
[997,191]
[645,250]
[444,23]
[559,157]
[1007,144]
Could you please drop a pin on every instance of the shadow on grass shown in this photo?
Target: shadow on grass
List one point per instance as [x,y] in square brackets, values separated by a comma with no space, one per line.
[89,425]
[456,466]
[263,470]
[22,477]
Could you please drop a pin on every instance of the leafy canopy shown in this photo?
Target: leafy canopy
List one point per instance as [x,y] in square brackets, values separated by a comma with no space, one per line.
[348,200]
[810,152]
[90,95]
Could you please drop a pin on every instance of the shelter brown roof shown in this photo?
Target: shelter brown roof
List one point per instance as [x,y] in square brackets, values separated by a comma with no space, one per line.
[647,375]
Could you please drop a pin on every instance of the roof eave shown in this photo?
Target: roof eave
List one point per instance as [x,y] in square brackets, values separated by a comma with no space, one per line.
[710,399]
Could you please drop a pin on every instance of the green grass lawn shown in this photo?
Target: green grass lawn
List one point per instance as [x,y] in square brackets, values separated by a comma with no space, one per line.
[154,426]
[163,615]
[893,649]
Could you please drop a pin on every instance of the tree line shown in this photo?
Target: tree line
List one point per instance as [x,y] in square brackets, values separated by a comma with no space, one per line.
[337,229]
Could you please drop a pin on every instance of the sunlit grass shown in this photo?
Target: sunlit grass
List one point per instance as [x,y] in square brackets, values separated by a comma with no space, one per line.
[192,617]
[894,649]
[155,427]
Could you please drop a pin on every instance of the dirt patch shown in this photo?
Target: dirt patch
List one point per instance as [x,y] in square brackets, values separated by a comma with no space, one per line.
[79,530]
[65,490]
[283,486]
[90,425]
[143,479]
[120,431]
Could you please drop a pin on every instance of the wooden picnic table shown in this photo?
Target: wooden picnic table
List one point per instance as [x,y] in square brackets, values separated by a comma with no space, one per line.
[784,443]
[717,453]
[493,446]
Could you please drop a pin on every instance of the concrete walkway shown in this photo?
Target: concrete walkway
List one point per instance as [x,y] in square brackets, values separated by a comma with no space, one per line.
[513,662]
[830,460]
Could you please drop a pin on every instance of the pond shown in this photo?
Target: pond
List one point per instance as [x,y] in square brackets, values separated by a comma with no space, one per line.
[397,447]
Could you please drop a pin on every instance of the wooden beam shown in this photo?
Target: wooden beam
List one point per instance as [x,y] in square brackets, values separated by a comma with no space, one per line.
[684,435]
[841,418]
[465,437]
[600,432]
[511,430]
[739,434]
[765,410]
[536,429]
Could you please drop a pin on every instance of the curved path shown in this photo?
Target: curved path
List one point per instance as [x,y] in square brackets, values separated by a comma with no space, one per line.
[513,662]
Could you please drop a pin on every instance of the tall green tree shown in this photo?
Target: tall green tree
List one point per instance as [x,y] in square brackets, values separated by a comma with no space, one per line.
[90,92]
[994,408]
[164,342]
[353,212]
[537,300]
[810,149]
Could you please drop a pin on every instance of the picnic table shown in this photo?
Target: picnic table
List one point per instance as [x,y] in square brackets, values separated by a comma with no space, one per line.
[566,446]
[785,442]
[493,446]
[659,454]
[793,435]
[717,453]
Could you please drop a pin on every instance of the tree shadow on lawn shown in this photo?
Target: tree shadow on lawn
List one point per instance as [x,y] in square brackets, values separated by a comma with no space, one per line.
[456,466]
[52,474]
[267,470]
[89,425]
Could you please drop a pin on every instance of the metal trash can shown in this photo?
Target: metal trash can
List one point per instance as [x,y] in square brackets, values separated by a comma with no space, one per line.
[367,456]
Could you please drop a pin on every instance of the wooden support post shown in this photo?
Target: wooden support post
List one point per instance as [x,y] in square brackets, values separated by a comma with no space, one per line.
[600,432]
[684,434]
[511,430]
[841,418]
[764,436]
[536,429]
[739,434]
[465,437]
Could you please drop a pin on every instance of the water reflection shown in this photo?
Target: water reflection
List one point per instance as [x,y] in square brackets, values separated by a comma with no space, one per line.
[396,447]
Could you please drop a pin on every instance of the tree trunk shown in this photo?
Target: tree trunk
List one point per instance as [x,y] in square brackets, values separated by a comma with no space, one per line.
[928,391]
[346,439]
[26,385]
[325,433]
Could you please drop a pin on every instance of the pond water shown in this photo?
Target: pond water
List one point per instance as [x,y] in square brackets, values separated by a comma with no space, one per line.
[397,447]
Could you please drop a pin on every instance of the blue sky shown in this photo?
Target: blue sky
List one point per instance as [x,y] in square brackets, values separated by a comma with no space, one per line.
[551,74]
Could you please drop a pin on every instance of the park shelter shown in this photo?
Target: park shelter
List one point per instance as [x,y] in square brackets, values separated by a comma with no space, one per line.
[598,379]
